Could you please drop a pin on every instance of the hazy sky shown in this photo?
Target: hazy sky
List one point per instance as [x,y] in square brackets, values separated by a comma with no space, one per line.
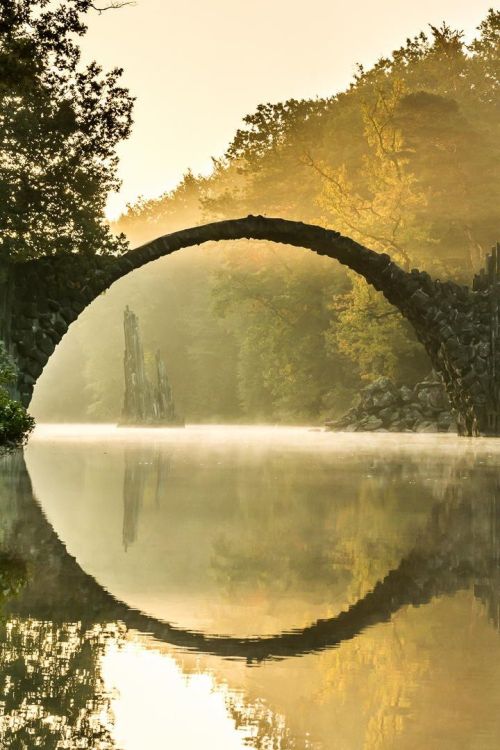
[197,67]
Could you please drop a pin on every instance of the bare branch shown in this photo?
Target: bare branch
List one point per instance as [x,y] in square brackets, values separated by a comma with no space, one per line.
[366,207]
[115,5]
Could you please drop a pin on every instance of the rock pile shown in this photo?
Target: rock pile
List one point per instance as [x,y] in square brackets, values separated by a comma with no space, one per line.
[386,407]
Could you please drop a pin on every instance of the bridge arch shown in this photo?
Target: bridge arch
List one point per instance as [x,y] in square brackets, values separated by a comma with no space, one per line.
[48,294]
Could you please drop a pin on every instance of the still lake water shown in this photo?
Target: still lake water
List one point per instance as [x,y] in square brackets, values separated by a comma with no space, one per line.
[249,587]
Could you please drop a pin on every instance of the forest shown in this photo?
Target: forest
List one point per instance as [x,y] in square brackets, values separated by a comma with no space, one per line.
[405,161]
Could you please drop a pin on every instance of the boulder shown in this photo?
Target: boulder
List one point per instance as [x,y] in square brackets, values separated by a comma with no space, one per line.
[382,400]
[383,406]
[371,423]
[406,394]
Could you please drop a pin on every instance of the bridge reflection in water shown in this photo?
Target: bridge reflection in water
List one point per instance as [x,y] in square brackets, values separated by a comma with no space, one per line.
[419,526]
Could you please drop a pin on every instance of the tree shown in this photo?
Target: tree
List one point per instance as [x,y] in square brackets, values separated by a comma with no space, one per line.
[59,125]
[406,162]
[426,187]
[275,301]
[371,335]
[454,161]
[380,209]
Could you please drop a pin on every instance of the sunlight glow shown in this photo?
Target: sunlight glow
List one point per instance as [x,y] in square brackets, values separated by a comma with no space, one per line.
[156,705]
[190,99]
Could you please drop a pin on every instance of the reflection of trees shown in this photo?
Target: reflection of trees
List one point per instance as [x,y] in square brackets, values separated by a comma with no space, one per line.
[50,687]
[431,657]
[269,730]
[288,544]
[457,549]
[315,543]
[52,692]
[13,576]
[55,664]
[450,553]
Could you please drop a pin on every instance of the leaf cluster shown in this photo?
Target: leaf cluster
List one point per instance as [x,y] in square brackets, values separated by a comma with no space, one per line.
[15,422]
[59,126]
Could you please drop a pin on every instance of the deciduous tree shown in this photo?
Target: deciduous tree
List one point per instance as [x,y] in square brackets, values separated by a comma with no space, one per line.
[59,125]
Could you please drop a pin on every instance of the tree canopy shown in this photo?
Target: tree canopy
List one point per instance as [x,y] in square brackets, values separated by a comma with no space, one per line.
[59,125]
[405,161]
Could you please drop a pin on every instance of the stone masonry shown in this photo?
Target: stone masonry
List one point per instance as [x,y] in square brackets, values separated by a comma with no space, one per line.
[386,407]
[457,325]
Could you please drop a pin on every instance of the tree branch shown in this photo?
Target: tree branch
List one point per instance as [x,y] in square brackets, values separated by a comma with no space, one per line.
[367,207]
[115,5]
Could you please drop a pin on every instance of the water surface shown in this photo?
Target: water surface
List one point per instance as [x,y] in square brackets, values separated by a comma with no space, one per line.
[235,587]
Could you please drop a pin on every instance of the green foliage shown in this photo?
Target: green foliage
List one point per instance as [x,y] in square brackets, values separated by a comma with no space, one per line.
[7,367]
[59,126]
[380,208]
[15,422]
[274,302]
[176,209]
[405,161]
[172,298]
[371,333]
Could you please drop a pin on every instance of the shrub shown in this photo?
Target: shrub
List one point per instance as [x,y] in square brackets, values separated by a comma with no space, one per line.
[15,422]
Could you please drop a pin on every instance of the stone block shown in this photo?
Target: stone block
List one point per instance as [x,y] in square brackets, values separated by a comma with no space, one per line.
[371,423]
[406,394]
[59,326]
[383,400]
[45,344]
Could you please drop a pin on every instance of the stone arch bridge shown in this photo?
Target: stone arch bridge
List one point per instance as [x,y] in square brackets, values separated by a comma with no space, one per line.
[457,325]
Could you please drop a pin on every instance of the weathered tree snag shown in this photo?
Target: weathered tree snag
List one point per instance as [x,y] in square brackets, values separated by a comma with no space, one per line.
[144,403]
[163,401]
[458,326]
[137,405]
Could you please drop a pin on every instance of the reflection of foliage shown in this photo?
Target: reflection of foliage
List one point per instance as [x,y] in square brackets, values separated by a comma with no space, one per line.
[310,542]
[268,730]
[418,682]
[13,576]
[258,563]
[378,677]
[285,543]
[52,692]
